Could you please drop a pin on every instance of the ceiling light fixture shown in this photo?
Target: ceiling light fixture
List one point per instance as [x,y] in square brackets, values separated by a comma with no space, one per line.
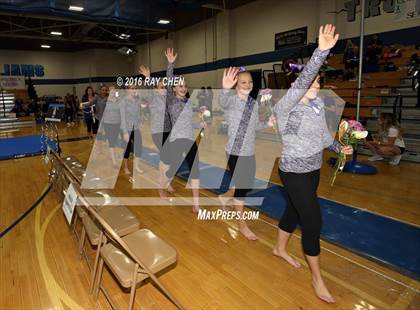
[76,8]
[123,36]
[163,21]
[127,51]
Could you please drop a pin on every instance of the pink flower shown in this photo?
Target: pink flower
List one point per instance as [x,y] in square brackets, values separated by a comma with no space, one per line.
[356,125]
[265,91]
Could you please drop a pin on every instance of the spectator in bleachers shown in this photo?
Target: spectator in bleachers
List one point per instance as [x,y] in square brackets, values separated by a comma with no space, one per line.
[350,57]
[68,108]
[75,106]
[389,141]
[376,43]
[372,54]
[18,107]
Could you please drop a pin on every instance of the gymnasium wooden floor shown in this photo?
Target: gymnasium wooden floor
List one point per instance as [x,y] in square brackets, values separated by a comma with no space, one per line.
[40,267]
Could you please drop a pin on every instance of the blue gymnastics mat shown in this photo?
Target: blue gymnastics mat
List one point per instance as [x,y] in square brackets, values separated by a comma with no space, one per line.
[388,241]
[382,239]
[24,146]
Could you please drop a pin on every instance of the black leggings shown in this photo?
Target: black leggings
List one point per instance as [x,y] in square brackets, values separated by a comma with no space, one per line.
[159,139]
[302,208]
[92,125]
[138,146]
[242,172]
[89,123]
[172,155]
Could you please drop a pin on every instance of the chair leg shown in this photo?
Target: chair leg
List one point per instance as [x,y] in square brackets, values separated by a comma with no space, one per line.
[133,287]
[76,217]
[82,241]
[95,265]
[98,278]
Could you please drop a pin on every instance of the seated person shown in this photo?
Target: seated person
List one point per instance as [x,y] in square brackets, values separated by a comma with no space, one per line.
[18,107]
[389,142]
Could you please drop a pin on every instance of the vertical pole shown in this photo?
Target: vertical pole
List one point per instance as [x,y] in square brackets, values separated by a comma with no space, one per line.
[359,82]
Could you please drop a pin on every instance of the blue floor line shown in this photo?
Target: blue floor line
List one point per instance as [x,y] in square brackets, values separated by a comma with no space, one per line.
[387,241]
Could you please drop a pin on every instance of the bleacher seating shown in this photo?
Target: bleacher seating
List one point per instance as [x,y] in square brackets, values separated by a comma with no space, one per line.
[378,94]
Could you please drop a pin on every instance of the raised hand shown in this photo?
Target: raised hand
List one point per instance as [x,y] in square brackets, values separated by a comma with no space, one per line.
[327,39]
[230,77]
[144,71]
[169,53]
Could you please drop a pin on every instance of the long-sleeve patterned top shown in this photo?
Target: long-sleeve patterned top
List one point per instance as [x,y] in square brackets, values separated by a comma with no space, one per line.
[100,103]
[303,128]
[243,122]
[112,113]
[180,112]
[160,119]
[130,110]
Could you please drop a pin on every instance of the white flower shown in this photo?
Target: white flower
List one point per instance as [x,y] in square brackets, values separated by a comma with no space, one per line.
[207,113]
[266,97]
[359,134]
[344,125]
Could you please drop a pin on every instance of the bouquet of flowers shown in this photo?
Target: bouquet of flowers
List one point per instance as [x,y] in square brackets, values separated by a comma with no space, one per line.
[349,133]
[266,106]
[205,115]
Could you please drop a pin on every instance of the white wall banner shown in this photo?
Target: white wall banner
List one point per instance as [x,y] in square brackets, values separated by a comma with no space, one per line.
[12,82]
[407,9]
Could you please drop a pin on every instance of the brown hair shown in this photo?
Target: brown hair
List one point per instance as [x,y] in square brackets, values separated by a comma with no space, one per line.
[388,121]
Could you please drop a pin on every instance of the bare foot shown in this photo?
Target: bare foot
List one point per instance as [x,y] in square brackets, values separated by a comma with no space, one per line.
[286,257]
[195,209]
[163,194]
[170,189]
[126,171]
[224,201]
[321,291]
[139,170]
[247,233]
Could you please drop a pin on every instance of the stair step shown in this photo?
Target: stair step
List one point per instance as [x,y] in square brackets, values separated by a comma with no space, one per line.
[8,119]
[407,156]
[17,124]
[5,132]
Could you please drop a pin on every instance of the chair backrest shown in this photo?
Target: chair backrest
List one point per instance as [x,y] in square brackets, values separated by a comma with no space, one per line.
[106,229]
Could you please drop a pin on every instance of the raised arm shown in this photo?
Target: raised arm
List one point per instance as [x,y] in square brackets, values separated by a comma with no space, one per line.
[145,71]
[171,57]
[230,78]
[327,39]
[89,104]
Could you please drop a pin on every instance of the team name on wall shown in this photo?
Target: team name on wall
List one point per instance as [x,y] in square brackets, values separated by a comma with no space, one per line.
[23,70]
[409,8]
